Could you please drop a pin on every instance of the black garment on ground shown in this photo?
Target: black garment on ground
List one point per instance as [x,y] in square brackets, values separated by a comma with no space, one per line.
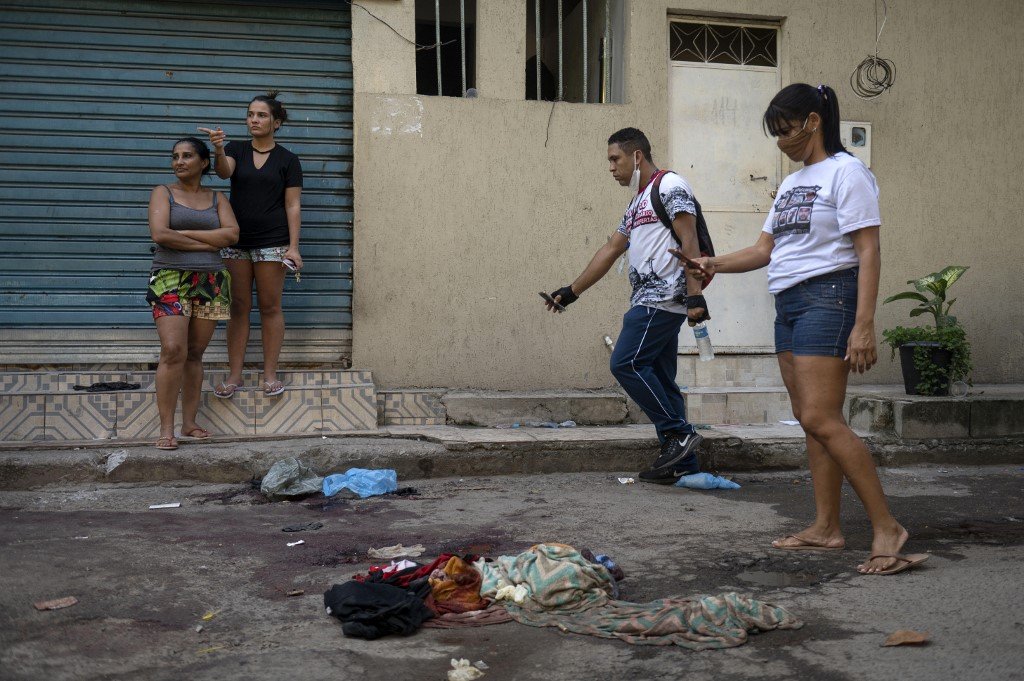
[108,386]
[373,610]
[257,196]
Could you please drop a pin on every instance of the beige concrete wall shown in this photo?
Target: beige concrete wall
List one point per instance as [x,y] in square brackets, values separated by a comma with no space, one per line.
[466,208]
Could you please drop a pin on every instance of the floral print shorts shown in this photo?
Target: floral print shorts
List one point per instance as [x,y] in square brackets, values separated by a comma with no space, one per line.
[272,254]
[203,295]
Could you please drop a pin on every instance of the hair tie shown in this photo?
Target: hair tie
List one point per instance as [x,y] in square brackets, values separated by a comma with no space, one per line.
[821,91]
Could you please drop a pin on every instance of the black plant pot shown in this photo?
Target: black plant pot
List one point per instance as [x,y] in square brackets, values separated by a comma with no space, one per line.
[936,354]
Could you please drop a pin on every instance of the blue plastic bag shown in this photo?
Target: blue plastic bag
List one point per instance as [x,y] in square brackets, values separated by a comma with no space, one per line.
[364,482]
[701,481]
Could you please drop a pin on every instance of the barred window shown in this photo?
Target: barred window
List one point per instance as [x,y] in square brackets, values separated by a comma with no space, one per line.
[575,50]
[448,68]
[723,44]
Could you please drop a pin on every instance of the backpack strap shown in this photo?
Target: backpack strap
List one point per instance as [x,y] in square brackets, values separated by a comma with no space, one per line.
[703,235]
[659,206]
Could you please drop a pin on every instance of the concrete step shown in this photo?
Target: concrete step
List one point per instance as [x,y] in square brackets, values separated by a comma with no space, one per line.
[737,405]
[729,371]
[484,408]
[449,451]
[44,406]
[987,411]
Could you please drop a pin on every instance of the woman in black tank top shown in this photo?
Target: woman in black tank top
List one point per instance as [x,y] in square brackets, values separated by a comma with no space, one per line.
[189,287]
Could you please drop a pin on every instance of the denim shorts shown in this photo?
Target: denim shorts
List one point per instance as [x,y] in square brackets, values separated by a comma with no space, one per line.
[816,316]
[271,254]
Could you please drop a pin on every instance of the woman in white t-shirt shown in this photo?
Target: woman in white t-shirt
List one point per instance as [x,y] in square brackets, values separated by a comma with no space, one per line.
[820,244]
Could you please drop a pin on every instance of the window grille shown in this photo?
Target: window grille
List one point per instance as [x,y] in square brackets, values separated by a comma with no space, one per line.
[447,66]
[723,44]
[575,50]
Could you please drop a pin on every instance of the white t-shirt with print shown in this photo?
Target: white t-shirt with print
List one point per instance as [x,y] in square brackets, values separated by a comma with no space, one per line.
[655,274]
[816,209]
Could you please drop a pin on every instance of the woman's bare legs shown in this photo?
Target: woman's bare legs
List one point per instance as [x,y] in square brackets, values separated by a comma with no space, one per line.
[199,333]
[269,287]
[173,331]
[820,384]
[826,475]
[238,326]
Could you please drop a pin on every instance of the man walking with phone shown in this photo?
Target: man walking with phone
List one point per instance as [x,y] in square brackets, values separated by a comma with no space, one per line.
[664,295]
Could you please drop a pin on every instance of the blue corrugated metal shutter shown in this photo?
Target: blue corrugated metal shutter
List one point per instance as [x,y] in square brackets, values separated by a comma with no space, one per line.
[95,93]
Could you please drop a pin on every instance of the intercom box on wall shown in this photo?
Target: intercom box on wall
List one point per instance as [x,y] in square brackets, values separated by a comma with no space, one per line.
[856,137]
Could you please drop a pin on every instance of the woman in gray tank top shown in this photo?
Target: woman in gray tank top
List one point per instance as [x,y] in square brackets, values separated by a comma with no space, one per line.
[189,287]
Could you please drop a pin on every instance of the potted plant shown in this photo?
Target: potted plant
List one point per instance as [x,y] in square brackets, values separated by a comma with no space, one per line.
[932,358]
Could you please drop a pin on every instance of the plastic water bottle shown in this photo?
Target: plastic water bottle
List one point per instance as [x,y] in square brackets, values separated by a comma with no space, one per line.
[700,334]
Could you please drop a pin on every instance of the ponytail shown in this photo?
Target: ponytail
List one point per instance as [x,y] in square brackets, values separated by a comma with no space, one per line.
[830,121]
[798,101]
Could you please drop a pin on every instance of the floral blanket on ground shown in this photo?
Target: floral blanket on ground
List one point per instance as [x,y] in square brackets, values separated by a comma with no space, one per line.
[567,591]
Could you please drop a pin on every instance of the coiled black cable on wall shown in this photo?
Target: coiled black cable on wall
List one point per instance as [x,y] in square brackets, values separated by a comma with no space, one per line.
[874,76]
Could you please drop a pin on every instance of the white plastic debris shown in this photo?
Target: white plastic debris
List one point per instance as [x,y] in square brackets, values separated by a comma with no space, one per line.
[296,543]
[481,665]
[462,670]
[116,459]
[626,481]
[789,422]
[176,504]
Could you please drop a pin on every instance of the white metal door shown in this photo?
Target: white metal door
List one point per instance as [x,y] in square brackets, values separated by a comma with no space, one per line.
[716,142]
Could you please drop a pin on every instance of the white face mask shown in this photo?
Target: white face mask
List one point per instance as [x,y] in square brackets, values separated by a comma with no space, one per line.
[634,181]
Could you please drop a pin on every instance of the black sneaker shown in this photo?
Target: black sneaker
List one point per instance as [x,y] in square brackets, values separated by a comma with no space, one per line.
[678,456]
[658,478]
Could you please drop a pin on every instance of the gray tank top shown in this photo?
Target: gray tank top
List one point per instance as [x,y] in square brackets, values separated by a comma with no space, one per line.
[183,217]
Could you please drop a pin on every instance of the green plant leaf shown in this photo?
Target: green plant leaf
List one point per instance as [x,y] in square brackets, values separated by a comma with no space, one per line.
[952,273]
[906,295]
[918,311]
[925,283]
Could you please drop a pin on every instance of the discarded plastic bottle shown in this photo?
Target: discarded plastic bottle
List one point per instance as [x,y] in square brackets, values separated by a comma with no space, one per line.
[608,343]
[700,334]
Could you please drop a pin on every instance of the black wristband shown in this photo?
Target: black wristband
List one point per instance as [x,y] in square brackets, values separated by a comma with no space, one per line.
[698,301]
[565,296]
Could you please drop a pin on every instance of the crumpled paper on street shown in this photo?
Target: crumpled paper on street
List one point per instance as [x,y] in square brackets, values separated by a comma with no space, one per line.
[389,552]
[462,670]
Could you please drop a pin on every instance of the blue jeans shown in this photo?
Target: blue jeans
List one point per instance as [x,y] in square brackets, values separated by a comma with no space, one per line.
[644,364]
[816,316]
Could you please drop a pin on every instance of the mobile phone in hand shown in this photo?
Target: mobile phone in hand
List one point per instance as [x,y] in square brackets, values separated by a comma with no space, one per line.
[691,263]
[289,264]
[551,301]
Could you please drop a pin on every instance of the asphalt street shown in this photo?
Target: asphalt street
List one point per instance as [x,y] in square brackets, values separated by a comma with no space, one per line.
[144,579]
